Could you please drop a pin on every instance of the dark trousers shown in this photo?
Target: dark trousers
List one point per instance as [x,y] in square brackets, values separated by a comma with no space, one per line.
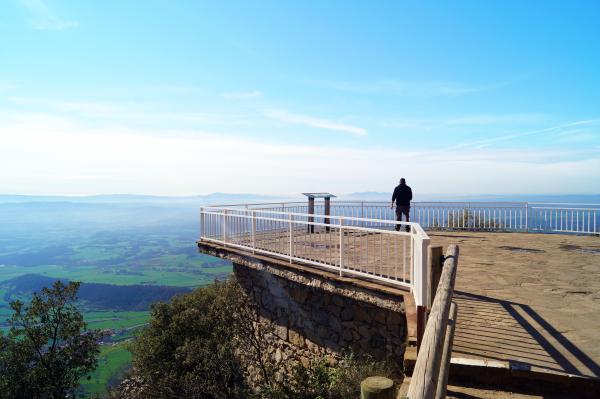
[402,210]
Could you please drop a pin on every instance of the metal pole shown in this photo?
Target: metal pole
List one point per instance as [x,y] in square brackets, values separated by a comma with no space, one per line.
[468,216]
[311,211]
[362,212]
[526,216]
[201,222]
[253,231]
[224,226]
[327,211]
[291,237]
[341,246]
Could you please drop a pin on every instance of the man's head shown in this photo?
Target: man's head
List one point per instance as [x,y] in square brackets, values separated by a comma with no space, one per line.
[403,181]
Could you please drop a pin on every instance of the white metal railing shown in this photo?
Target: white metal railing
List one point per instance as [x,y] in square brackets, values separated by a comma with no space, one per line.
[369,248]
[475,216]
[565,219]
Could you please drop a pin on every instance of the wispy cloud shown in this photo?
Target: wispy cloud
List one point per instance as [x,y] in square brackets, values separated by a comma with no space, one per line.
[577,136]
[295,119]
[507,137]
[463,121]
[43,18]
[242,95]
[129,113]
[7,85]
[55,156]
[406,88]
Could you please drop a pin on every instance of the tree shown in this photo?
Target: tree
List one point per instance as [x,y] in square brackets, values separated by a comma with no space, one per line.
[189,348]
[48,349]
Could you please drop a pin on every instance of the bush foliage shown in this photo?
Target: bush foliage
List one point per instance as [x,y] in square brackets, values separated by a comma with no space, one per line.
[201,345]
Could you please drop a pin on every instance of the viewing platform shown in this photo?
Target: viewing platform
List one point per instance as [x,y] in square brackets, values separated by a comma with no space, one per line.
[526,290]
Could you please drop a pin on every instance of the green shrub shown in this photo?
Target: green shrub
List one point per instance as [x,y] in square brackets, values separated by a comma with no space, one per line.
[189,347]
[203,344]
[323,380]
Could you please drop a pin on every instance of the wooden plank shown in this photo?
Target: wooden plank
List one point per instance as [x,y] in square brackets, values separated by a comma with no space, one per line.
[427,368]
[421,323]
[447,354]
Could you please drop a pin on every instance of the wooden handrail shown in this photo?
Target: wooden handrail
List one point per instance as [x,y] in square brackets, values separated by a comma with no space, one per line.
[426,375]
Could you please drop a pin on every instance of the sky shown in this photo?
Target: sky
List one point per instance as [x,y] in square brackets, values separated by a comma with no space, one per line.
[283,97]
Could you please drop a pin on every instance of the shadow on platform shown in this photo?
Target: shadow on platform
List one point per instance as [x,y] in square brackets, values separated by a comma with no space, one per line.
[490,328]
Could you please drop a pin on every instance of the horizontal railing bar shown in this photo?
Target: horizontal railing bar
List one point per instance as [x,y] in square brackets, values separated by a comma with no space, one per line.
[566,209]
[221,211]
[370,203]
[301,222]
[259,203]
[332,226]
[562,203]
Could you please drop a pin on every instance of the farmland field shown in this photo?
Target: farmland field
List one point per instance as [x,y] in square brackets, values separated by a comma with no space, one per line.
[112,362]
[126,256]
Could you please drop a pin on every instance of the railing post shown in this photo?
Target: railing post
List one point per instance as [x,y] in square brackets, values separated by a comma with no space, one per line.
[202,222]
[421,282]
[435,255]
[224,227]
[421,271]
[526,217]
[291,237]
[341,246]
[362,213]
[468,216]
[253,231]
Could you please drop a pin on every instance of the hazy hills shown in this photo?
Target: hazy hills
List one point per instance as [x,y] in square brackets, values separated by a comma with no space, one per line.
[95,295]
[546,198]
[226,198]
[213,198]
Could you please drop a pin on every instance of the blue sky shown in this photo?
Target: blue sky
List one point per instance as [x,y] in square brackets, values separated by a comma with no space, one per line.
[181,97]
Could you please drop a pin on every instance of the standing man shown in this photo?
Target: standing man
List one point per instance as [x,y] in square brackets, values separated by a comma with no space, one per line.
[402,196]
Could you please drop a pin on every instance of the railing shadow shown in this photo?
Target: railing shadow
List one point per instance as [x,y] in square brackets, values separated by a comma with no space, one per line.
[498,329]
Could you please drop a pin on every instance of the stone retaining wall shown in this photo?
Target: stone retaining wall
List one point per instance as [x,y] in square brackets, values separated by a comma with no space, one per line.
[313,317]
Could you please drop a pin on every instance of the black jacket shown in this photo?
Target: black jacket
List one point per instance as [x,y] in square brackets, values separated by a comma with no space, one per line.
[402,195]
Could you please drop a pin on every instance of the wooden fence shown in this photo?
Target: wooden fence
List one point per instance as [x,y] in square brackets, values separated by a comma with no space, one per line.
[430,375]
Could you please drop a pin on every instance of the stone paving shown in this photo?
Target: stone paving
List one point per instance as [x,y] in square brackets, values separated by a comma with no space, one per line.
[530,299]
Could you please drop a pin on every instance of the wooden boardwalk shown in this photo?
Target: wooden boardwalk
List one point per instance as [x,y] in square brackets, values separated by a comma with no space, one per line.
[529,300]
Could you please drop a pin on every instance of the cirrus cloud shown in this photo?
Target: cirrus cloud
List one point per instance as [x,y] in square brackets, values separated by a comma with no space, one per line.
[311,121]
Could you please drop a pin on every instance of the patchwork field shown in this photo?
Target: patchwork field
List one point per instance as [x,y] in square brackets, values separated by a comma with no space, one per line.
[127,257]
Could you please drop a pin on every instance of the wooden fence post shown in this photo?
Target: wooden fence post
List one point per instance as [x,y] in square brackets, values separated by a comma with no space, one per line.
[435,256]
[435,265]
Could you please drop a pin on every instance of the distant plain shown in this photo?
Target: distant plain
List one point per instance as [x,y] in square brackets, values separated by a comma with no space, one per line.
[127,255]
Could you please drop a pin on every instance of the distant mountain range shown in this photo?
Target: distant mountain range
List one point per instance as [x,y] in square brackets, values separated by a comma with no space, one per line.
[546,198]
[226,198]
[213,198]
